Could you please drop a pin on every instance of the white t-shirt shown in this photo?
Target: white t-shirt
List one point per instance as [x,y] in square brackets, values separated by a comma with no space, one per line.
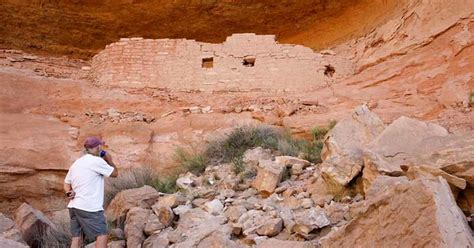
[86,177]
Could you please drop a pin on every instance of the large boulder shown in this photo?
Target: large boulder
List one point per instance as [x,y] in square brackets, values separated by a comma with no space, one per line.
[143,197]
[343,145]
[196,225]
[408,142]
[453,154]
[8,229]
[268,177]
[32,224]
[395,147]
[135,225]
[422,212]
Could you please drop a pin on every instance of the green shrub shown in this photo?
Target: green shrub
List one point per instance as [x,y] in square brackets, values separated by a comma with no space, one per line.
[193,162]
[233,145]
[238,165]
[166,184]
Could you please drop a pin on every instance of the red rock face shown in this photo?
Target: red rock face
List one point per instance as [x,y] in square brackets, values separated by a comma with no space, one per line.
[83,27]
[418,63]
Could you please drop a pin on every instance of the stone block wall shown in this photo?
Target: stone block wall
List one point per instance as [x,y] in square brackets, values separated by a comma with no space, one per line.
[242,62]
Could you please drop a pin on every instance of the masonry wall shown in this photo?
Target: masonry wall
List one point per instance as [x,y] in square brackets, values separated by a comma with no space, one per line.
[242,62]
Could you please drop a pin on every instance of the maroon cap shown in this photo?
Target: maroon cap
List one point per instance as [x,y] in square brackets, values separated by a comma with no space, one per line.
[92,142]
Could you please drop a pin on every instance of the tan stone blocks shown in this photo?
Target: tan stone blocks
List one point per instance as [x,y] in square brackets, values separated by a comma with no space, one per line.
[179,64]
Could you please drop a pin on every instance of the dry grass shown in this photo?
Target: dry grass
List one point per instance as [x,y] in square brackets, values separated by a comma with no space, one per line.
[47,237]
[138,177]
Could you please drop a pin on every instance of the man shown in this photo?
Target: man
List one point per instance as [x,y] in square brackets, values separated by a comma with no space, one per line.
[84,186]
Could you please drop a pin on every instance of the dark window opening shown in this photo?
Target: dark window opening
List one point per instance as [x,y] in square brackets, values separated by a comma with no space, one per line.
[207,62]
[249,61]
[329,70]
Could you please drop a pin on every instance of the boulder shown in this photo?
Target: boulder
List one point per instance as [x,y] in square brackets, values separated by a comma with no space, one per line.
[252,220]
[336,212]
[271,227]
[143,197]
[343,144]
[396,146]
[11,243]
[218,240]
[195,225]
[171,200]
[8,230]
[186,181]
[414,172]
[153,225]
[181,209]
[32,223]
[275,243]
[342,169]
[234,212]
[116,234]
[134,226]
[156,241]
[268,176]
[165,215]
[310,219]
[407,142]
[426,214]
[296,165]
[214,207]
[321,192]
[159,239]
[382,184]
[453,154]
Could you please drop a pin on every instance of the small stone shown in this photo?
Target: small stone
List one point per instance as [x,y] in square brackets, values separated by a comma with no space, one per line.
[271,227]
[306,203]
[181,209]
[214,207]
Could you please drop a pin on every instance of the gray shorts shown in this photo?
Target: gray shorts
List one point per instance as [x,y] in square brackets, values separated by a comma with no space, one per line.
[90,224]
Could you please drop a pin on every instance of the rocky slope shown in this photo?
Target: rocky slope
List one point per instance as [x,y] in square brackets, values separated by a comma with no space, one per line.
[412,203]
[416,61]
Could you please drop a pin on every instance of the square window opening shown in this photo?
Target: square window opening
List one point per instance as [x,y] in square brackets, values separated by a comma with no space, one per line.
[249,62]
[207,62]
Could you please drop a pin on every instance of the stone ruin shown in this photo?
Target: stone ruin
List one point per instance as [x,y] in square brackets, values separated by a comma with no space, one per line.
[242,62]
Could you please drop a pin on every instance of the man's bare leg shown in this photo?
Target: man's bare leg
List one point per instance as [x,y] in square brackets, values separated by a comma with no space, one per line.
[76,242]
[101,241]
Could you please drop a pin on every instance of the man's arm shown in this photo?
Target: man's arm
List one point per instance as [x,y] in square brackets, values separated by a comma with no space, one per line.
[67,187]
[69,192]
[108,159]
